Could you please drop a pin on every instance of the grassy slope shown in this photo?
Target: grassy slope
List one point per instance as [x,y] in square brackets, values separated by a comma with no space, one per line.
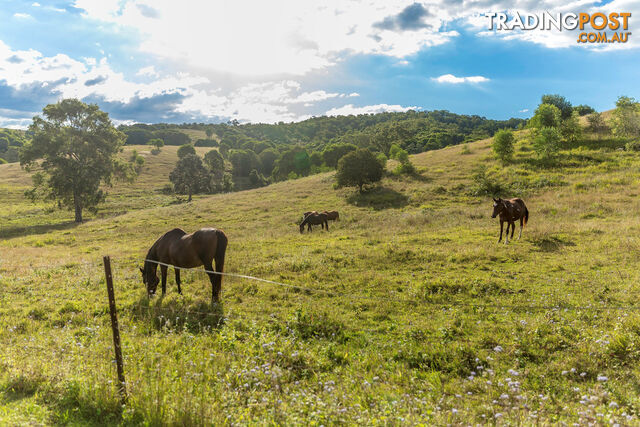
[421,296]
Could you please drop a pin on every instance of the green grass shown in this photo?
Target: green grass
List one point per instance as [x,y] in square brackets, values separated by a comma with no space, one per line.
[420,316]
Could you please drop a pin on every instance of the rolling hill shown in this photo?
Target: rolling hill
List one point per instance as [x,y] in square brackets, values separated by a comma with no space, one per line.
[410,313]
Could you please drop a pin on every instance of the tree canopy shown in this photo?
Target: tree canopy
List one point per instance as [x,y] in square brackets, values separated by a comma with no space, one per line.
[190,176]
[359,168]
[73,151]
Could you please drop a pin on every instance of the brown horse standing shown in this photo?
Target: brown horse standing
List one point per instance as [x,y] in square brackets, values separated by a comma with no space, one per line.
[332,215]
[188,251]
[510,210]
[314,218]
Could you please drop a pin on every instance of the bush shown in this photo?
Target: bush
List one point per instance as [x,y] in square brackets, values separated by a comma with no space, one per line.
[503,145]
[570,129]
[546,142]
[632,146]
[546,115]
[205,143]
[596,124]
[406,168]
[185,150]
[484,185]
[626,117]
[583,110]
[560,102]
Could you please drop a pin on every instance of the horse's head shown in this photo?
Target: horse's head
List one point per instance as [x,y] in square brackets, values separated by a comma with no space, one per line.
[498,207]
[150,279]
[302,227]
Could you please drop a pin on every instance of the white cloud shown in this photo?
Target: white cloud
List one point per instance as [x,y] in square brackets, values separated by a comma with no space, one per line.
[252,38]
[450,78]
[22,16]
[35,4]
[149,71]
[350,109]
[524,110]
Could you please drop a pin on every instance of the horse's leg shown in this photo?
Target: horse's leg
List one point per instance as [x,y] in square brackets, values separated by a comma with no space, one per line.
[177,271]
[513,228]
[501,228]
[163,270]
[506,235]
[326,223]
[215,283]
[521,222]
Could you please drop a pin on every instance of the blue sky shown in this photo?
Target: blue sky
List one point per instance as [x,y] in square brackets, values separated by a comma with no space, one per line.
[286,60]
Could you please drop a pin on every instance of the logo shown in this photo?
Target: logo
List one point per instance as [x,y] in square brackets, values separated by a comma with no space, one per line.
[594,27]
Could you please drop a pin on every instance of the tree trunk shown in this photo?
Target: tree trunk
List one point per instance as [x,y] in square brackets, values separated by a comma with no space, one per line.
[78,205]
[189,195]
[360,185]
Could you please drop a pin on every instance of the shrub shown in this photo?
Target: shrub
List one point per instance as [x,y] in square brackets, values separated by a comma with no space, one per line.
[560,102]
[546,115]
[382,159]
[185,150]
[570,129]
[626,117]
[596,124]
[484,185]
[546,142]
[583,110]
[503,145]
[632,146]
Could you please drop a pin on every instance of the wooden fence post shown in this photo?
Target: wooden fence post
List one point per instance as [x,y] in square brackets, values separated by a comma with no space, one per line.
[114,326]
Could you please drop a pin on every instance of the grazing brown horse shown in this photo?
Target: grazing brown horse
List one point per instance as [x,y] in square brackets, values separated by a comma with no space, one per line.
[510,210]
[314,218]
[332,215]
[304,215]
[188,251]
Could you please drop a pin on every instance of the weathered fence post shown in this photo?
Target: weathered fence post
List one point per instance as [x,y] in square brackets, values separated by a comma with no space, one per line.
[114,326]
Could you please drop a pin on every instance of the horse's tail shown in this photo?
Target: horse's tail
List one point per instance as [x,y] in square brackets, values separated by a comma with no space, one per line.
[526,216]
[221,249]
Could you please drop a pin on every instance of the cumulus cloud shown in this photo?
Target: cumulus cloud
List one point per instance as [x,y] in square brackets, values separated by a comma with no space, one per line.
[289,37]
[22,16]
[350,109]
[30,80]
[450,78]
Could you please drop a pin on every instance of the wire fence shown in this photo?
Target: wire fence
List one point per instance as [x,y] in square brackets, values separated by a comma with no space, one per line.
[390,298]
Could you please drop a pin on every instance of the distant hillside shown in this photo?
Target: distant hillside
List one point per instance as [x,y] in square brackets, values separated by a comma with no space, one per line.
[10,141]
[416,131]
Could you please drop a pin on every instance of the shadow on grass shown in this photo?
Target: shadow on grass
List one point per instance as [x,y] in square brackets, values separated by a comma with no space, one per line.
[19,231]
[20,387]
[551,243]
[178,314]
[378,198]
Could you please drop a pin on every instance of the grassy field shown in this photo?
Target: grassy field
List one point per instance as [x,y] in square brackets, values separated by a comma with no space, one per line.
[413,313]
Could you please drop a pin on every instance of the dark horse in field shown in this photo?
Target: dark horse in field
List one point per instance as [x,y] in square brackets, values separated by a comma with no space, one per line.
[314,218]
[510,210]
[188,251]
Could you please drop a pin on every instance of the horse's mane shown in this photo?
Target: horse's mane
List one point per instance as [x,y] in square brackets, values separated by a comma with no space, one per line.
[151,255]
